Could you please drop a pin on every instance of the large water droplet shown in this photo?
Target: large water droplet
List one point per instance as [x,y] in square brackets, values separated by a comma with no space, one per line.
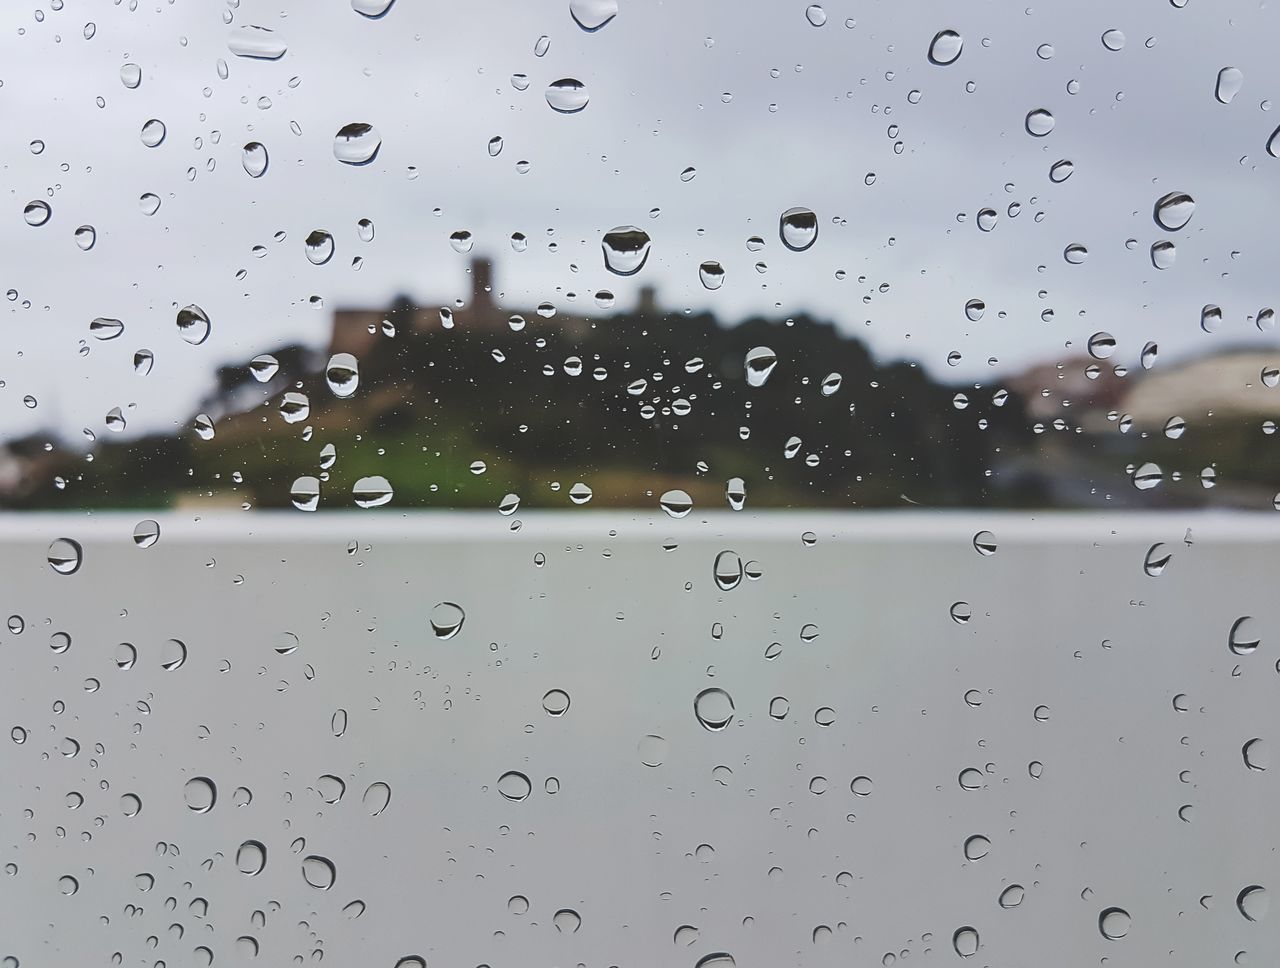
[1157,560]
[153,133]
[319,872]
[373,9]
[976,847]
[342,374]
[759,363]
[676,503]
[1147,476]
[965,941]
[36,213]
[1114,923]
[446,620]
[356,143]
[591,15]
[727,570]
[318,246]
[798,228]
[372,492]
[193,324]
[251,857]
[567,95]
[1012,896]
[713,708]
[304,493]
[257,42]
[254,159]
[1174,210]
[945,47]
[1230,80]
[1243,639]
[85,237]
[146,533]
[294,406]
[264,367]
[130,75]
[626,249]
[1039,122]
[711,275]
[514,785]
[200,794]
[104,328]
[376,798]
[65,556]
[1113,39]
[1253,902]
[567,921]
[735,492]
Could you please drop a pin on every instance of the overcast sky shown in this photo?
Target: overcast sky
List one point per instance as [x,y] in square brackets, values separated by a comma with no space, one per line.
[672,86]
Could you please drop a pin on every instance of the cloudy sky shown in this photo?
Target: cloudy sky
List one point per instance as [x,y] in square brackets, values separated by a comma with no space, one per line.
[771,111]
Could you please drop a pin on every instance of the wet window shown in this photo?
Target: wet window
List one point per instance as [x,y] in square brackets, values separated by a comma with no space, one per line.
[607,483]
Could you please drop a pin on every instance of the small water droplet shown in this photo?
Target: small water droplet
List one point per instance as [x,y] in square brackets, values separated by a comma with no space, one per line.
[146,533]
[676,503]
[130,75]
[1174,210]
[193,324]
[965,941]
[446,620]
[65,556]
[251,857]
[711,275]
[1039,122]
[1255,755]
[760,363]
[514,785]
[373,9]
[319,872]
[342,374]
[153,133]
[1253,902]
[1113,39]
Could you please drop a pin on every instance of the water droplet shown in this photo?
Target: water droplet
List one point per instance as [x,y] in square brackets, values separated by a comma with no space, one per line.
[965,941]
[1174,210]
[1255,755]
[173,654]
[1253,902]
[1075,253]
[976,847]
[567,921]
[294,406]
[556,702]
[735,492]
[356,143]
[1060,171]
[376,798]
[257,42]
[713,708]
[153,133]
[1101,345]
[319,247]
[798,228]
[200,794]
[251,857]
[1175,427]
[815,15]
[1163,255]
[1113,39]
[1157,560]
[580,493]
[984,543]
[125,655]
[373,9]
[304,493]
[591,15]
[567,95]
[717,959]
[1230,80]
[711,274]
[342,374]
[1147,476]
[319,872]
[68,885]
[1012,896]
[36,212]
[149,203]
[514,785]
[372,492]
[254,159]
[364,230]
[104,328]
[65,556]
[970,779]
[626,249]
[1114,923]
[727,570]
[760,362]
[447,619]
[945,47]
[193,324]
[85,236]
[1243,638]
[146,533]
[130,75]
[1039,122]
